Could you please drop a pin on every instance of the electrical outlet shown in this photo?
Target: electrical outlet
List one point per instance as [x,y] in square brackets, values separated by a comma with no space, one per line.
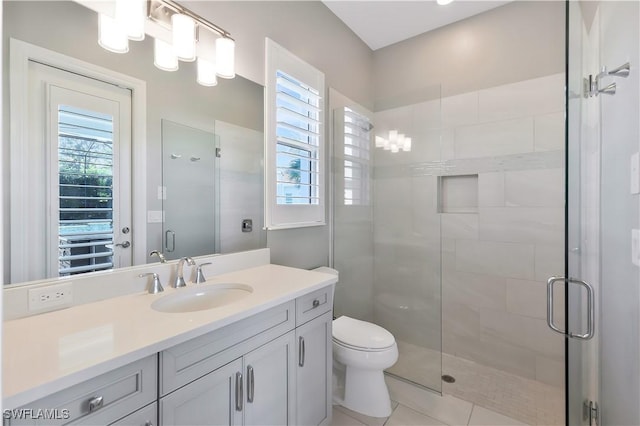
[50,296]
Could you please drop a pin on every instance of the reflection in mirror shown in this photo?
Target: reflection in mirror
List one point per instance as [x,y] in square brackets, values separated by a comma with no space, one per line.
[71,29]
[189,191]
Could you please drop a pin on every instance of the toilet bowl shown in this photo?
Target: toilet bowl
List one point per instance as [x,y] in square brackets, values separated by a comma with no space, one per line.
[361,352]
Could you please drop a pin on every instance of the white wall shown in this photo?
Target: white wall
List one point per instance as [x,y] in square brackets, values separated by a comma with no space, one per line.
[620,319]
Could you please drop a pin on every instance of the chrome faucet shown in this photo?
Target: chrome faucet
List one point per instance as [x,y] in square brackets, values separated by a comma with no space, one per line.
[155,286]
[179,275]
[199,274]
[160,256]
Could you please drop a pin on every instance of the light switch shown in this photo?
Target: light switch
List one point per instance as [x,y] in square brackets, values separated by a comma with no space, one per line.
[635,246]
[635,173]
[162,193]
[155,216]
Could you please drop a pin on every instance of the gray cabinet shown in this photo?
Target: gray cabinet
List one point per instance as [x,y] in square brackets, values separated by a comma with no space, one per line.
[313,371]
[270,383]
[101,400]
[215,399]
[147,416]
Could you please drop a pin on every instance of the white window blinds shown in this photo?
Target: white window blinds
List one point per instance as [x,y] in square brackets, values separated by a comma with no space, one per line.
[294,141]
[357,158]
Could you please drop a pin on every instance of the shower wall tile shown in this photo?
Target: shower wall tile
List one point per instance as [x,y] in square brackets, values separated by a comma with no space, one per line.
[528,333]
[447,143]
[532,225]
[494,258]
[549,132]
[474,290]
[550,371]
[494,139]
[460,226]
[525,98]
[534,188]
[549,261]
[529,298]
[460,110]
[491,189]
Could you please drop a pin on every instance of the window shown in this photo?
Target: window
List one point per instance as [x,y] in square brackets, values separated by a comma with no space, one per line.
[85,188]
[294,141]
[357,143]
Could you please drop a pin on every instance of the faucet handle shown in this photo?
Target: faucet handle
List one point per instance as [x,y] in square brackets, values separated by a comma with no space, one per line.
[199,274]
[159,254]
[155,287]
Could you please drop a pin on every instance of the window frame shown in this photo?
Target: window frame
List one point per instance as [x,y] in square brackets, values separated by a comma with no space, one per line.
[286,216]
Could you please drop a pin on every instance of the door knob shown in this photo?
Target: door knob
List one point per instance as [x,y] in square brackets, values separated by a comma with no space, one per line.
[124,244]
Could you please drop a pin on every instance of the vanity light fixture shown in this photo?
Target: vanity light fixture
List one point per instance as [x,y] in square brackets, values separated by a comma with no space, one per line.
[395,142]
[183,30]
[187,31]
[112,36]
[206,73]
[131,15]
[225,57]
[163,56]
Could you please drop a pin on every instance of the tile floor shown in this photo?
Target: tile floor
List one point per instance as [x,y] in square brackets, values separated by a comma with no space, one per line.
[480,396]
[417,407]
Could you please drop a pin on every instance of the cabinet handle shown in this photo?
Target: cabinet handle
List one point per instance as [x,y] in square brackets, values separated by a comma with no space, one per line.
[148,423]
[316,303]
[301,351]
[95,403]
[239,396]
[250,384]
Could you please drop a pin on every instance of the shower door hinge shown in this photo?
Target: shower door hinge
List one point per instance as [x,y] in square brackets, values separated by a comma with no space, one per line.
[591,413]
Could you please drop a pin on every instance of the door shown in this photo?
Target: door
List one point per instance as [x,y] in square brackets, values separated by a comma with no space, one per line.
[77,179]
[582,227]
[270,381]
[214,399]
[313,375]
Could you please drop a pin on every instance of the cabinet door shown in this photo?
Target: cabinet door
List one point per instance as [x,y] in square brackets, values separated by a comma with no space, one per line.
[147,416]
[313,374]
[270,381]
[210,400]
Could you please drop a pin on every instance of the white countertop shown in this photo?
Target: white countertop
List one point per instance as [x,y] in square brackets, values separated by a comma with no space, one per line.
[46,353]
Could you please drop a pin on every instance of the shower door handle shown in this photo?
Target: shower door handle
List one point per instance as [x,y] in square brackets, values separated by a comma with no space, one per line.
[590,308]
[169,234]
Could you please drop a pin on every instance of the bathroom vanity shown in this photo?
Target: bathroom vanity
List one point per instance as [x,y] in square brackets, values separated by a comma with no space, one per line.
[262,359]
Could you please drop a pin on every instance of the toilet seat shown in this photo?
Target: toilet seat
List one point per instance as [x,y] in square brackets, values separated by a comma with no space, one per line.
[361,335]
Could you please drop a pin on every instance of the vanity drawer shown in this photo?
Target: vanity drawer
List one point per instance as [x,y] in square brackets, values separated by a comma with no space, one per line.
[314,304]
[147,416]
[101,400]
[193,359]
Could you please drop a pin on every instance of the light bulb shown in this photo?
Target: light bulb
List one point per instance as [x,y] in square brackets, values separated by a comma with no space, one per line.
[111,36]
[393,136]
[379,141]
[407,145]
[401,141]
[130,15]
[206,73]
[163,56]
[225,57]
[184,37]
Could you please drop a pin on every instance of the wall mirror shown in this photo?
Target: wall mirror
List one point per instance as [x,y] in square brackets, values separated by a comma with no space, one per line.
[230,115]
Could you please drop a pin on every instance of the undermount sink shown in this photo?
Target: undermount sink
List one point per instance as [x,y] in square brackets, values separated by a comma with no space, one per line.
[202,297]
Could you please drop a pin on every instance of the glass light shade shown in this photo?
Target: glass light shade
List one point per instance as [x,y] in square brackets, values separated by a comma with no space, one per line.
[394,148]
[393,136]
[407,145]
[443,2]
[379,141]
[400,141]
[387,145]
[130,15]
[163,56]
[184,37]
[206,73]
[111,36]
[225,57]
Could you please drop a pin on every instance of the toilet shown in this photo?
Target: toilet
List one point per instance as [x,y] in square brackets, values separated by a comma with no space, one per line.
[361,352]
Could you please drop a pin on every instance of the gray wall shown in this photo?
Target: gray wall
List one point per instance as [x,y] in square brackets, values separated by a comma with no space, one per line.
[515,42]
[620,297]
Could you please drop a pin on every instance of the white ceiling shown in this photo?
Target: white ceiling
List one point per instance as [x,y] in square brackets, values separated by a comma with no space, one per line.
[381,23]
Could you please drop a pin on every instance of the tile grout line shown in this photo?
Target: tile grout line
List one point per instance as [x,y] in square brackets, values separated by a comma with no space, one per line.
[471,414]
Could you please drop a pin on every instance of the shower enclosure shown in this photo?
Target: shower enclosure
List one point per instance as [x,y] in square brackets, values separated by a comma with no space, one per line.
[451,249]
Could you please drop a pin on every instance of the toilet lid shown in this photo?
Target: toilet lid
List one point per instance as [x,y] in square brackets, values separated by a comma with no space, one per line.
[361,334]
